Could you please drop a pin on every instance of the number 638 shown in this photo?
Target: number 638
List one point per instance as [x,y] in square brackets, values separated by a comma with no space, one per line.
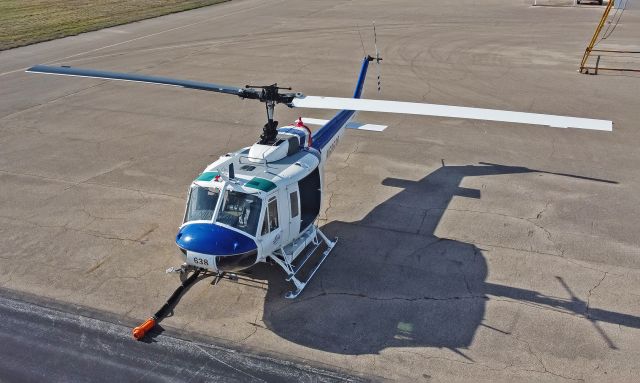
[200,261]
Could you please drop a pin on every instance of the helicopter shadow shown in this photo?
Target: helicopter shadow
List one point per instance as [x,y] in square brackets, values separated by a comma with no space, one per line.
[391,282]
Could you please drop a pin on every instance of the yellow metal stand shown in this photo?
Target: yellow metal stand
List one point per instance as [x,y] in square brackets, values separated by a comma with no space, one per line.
[589,49]
[587,52]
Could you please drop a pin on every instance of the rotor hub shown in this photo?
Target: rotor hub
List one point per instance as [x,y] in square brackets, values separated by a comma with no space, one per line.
[270,95]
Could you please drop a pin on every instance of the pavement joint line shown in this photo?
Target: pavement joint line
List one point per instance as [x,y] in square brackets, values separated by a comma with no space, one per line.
[212,128]
[242,38]
[209,19]
[560,255]
[100,83]
[474,296]
[77,183]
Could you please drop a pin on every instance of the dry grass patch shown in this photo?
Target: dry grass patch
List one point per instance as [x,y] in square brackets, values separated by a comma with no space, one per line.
[24,22]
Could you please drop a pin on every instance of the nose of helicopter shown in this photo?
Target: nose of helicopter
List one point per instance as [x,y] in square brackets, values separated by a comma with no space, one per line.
[230,250]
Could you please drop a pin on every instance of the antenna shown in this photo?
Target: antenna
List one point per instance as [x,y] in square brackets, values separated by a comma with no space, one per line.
[364,51]
[378,59]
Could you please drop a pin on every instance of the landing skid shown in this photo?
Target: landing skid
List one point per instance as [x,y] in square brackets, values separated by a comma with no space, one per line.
[285,261]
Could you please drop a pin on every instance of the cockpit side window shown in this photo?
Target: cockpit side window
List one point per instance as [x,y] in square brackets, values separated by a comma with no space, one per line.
[270,222]
[273,214]
[241,210]
[202,204]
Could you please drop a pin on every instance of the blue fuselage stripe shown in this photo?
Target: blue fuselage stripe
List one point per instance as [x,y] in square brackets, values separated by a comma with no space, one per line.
[325,134]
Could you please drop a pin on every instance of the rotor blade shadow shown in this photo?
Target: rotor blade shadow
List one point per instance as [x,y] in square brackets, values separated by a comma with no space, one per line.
[559,174]
[392,282]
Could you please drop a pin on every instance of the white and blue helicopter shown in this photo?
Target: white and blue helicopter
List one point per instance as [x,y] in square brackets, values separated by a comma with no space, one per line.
[261,202]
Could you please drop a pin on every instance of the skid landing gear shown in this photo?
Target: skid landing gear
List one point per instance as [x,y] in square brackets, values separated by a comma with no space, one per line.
[286,256]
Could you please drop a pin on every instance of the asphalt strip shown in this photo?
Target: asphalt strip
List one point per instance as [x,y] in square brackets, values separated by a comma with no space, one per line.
[44,344]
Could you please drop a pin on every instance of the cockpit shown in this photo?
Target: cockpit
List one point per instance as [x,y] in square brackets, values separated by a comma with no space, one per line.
[235,209]
[202,203]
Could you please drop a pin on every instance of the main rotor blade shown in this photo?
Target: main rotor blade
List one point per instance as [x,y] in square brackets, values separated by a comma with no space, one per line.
[359,104]
[80,72]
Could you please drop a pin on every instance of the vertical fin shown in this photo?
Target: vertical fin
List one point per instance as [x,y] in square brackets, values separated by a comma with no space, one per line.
[362,77]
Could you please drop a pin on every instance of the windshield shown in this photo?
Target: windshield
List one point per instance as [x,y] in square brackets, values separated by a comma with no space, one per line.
[241,210]
[202,204]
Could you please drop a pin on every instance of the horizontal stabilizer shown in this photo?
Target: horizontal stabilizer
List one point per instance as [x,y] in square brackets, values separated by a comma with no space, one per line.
[350,125]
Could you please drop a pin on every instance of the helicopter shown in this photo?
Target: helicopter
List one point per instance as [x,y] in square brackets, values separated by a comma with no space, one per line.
[261,203]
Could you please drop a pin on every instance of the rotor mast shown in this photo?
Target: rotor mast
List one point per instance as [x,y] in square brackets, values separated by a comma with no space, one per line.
[270,96]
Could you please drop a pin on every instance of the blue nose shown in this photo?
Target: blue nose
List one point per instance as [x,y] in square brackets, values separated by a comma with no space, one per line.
[209,238]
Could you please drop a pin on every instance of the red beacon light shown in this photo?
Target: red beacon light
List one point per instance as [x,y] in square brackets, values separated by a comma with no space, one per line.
[300,124]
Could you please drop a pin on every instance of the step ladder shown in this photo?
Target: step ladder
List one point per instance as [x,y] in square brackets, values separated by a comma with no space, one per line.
[292,261]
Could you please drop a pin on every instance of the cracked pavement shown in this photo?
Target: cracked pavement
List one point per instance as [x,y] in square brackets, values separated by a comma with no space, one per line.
[468,250]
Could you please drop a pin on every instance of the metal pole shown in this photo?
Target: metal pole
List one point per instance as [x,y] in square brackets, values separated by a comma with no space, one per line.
[587,51]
